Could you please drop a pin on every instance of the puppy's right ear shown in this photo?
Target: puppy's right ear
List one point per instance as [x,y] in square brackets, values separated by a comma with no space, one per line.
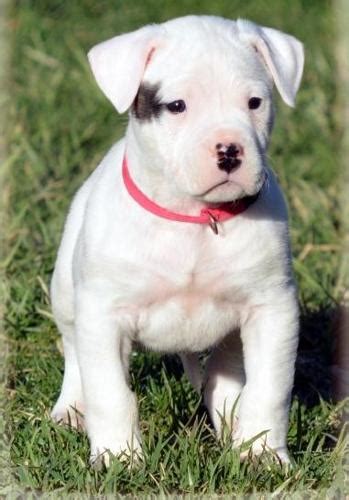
[118,64]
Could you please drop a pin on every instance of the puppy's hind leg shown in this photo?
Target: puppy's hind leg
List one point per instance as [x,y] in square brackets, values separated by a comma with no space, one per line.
[69,407]
[192,368]
[224,378]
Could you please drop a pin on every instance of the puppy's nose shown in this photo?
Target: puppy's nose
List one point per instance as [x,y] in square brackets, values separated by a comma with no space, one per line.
[229,156]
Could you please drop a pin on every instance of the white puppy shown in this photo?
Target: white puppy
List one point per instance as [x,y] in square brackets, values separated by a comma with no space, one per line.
[154,250]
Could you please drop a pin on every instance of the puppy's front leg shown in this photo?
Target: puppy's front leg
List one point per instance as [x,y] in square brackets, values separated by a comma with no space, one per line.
[110,406]
[270,338]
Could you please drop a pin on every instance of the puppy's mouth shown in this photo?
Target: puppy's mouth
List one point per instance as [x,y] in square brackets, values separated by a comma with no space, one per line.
[208,191]
[229,190]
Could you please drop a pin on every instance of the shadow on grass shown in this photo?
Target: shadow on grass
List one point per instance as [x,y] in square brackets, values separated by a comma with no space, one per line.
[322,368]
[313,377]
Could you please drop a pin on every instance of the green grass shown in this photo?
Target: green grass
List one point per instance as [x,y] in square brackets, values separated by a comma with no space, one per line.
[59,127]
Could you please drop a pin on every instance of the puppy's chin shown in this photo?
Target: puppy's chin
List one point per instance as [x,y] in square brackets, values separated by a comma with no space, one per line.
[229,191]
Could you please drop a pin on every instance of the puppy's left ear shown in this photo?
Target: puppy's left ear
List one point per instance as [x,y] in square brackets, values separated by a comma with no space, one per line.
[118,64]
[282,54]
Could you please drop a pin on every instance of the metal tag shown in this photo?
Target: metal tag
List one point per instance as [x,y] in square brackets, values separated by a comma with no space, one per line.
[213,224]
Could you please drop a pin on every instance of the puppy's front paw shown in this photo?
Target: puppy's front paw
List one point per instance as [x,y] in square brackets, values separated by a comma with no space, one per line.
[255,441]
[131,452]
[260,447]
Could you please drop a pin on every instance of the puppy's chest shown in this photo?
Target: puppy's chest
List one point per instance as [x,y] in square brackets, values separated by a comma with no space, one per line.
[187,293]
[187,310]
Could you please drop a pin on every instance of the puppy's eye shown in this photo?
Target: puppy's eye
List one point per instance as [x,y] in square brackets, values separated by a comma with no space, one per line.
[176,106]
[254,102]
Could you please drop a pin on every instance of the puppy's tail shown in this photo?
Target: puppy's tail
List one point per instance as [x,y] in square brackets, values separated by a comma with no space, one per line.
[192,368]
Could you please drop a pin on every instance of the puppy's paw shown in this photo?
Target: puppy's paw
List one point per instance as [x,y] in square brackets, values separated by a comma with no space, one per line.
[130,453]
[71,415]
[257,449]
[253,444]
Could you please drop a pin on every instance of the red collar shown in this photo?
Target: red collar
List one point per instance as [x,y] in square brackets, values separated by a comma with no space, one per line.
[210,216]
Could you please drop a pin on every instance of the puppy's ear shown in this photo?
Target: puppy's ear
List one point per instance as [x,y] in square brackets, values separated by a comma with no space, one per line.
[283,55]
[118,64]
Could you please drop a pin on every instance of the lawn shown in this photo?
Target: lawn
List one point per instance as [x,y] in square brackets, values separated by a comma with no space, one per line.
[58,128]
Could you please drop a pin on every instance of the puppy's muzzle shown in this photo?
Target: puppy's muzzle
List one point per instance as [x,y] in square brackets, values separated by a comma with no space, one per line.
[229,156]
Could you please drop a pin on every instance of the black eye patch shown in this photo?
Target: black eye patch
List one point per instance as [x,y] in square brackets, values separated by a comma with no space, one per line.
[147,104]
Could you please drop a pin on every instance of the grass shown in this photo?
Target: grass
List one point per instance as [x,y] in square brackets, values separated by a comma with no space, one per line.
[59,127]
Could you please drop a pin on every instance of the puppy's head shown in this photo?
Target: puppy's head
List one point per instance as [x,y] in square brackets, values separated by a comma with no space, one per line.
[199,90]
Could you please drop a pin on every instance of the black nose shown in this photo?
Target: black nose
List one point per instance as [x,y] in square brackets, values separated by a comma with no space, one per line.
[229,156]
